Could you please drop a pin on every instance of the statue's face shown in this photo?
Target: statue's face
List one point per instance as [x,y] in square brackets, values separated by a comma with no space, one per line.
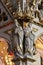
[25,24]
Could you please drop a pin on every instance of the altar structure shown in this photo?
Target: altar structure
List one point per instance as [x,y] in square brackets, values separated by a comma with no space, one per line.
[21,26]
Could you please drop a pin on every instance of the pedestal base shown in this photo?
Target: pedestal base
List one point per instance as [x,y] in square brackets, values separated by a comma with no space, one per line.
[35,60]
